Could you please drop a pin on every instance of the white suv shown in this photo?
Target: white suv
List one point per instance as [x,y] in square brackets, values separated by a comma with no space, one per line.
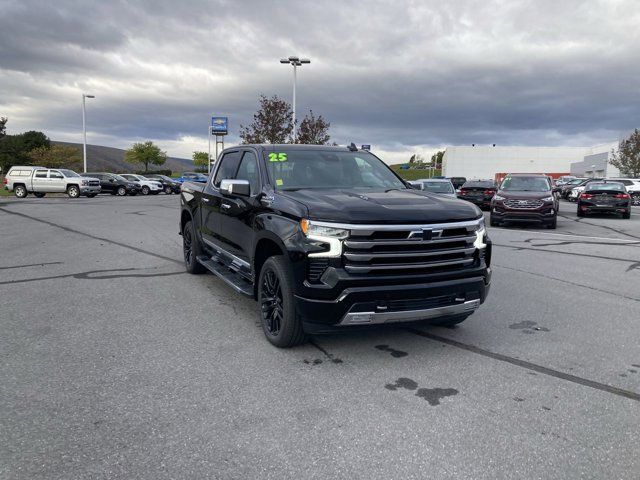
[147,185]
[633,188]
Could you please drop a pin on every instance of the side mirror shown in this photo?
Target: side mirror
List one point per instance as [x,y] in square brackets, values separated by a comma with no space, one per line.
[235,187]
[415,185]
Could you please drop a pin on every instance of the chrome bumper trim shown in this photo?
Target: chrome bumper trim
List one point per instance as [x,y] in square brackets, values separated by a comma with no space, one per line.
[372,318]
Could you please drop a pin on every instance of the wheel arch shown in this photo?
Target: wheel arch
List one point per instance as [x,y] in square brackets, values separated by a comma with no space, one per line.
[266,246]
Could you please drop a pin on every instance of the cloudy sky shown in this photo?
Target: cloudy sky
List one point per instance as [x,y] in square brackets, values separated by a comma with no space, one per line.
[404,76]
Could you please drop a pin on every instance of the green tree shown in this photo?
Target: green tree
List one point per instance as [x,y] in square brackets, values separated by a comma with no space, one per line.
[14,149]
[627,158]
[201,160]
[271,123]
[145,154]
[3,126]
[57,156]
[436,159]
[313,130]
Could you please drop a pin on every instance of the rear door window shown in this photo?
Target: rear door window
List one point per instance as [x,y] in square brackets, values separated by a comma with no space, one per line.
[41,174]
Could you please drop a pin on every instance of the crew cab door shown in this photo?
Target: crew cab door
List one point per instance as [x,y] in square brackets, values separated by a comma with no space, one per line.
[210,225]
[57,182]
[40,181]
[238,212]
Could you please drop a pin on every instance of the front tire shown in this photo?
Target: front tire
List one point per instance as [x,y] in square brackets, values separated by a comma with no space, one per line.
[493,222]
[168,190]
[450,322]
[554,224]
[39,194]
[191,250]
[626,216]
[73,191]
[20,191]
[91,195]
[121,192]
[278,317]
[579,212]
[145,190]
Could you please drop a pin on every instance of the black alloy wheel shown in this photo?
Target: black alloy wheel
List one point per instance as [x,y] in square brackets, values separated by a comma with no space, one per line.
[191,249]
[271,302]
[278,317]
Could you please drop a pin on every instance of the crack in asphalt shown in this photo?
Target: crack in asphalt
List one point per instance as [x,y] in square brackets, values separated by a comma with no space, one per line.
[94,237]
[630,260]
[88,275]
[529,365]
[568,282]
[330,356]
[32,265]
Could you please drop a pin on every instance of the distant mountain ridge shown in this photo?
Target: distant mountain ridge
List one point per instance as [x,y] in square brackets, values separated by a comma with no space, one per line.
[111,159]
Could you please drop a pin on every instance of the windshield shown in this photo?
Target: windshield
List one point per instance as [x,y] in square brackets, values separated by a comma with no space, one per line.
[525,184]
[140,177]
[119,178]
[297,169]
[438,187]
[68,173]
[575,181]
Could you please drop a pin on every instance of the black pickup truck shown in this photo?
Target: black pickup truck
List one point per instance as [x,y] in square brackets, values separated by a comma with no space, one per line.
[329,238]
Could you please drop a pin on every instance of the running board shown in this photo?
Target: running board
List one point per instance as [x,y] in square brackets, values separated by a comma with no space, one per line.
[233,279]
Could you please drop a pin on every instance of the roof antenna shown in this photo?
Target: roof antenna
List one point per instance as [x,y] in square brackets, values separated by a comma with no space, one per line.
[353,147]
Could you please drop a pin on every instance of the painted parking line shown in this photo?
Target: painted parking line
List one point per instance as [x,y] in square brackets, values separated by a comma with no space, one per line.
[539,232]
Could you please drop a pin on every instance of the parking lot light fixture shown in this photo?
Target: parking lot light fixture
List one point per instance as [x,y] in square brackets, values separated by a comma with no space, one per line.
[295,62]
[84,131]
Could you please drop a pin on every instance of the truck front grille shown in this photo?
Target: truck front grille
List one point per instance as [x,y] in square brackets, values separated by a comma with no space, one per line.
[94,183]
[390,250]
[528,204]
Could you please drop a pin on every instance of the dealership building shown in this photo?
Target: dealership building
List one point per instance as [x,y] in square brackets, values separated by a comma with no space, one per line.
[484,162]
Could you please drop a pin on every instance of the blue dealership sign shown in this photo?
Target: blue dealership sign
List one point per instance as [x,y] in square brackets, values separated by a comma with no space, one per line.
[219,125]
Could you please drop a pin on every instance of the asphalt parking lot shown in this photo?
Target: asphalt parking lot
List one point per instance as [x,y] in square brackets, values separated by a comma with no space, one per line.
[118,364]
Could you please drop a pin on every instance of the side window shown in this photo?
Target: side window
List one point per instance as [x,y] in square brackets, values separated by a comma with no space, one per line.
[228,167]
[55,174]
[248,170]
[41,174]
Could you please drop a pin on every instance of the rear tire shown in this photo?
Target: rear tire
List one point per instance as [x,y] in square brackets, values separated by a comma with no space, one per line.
[91,195]
[278,318]
[20,191]
[626,216]
[554,224]
[73,191]
[39,194]
[579,213]
[191,250]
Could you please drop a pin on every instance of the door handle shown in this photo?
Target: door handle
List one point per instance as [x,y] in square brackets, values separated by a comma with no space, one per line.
[206,200]
[226,206]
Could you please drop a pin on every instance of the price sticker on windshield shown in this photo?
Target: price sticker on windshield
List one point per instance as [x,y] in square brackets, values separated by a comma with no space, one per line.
[277,157]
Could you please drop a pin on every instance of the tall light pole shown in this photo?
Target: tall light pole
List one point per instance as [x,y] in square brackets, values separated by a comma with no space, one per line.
[84,130]
[295,62]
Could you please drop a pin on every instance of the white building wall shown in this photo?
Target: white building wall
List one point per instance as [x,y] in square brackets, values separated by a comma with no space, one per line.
[596,163]
[486,161]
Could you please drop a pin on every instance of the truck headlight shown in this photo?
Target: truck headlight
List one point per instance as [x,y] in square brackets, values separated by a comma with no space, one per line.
[325,234]
[85,182]
[481,231]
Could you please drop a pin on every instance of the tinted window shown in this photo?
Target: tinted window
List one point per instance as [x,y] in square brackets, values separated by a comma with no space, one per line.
[480,184]
[525,184]
[55,174]
[605,186]
[69,173]
[228,167]
[248,170]
[41,174]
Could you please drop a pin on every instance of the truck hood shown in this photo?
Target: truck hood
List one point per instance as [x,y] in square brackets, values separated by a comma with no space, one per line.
[390,206]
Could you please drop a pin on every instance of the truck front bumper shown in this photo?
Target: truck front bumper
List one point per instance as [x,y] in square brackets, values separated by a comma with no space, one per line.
[89,190]
[361,306]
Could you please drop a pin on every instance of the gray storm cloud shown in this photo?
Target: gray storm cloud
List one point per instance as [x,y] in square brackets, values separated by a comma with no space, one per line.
[395,74]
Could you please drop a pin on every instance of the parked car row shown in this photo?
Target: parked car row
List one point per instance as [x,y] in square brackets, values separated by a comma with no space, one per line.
[23,180]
